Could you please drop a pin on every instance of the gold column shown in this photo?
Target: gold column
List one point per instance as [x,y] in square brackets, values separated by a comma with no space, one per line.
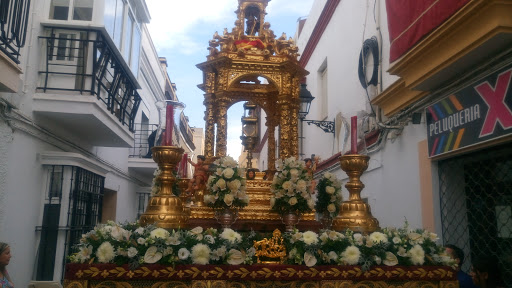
[209,127]
[271,157]
[354,213]
[165,209]
[284,133]
[222,128]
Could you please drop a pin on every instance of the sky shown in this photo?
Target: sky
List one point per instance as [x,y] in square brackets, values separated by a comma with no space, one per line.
[181,30]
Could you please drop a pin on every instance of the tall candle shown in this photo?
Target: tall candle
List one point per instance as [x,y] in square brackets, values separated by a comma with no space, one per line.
[353,135]
[169,125]
[184,166]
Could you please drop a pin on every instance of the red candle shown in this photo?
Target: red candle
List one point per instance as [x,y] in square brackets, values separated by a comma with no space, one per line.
[169,125]
[184,166]
[353,135]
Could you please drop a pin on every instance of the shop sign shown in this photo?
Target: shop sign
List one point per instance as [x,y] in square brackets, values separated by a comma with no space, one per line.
[478,113]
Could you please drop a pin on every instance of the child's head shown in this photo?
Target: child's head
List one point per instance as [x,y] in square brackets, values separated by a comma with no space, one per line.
[201,158]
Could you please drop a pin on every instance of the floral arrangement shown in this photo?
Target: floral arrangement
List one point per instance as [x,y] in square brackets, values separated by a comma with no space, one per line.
[134,245]
[389,247]
[290,187]
[329,195]
[226,186]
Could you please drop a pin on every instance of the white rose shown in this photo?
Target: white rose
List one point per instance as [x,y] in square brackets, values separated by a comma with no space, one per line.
[152,255]
[272,202]
[287,185]
[235,257]
[132,252]
[294,173]
[330,190]
[140,230]
[221,184]
[218,171]
[228,199]
[183,253]
[292,201]
[310,237]
[141,241]
[228,173]
[228,161]
[331,208]
[105,252]
[302,185]
[159,233]
[119,233]
[309,259]
[234,185]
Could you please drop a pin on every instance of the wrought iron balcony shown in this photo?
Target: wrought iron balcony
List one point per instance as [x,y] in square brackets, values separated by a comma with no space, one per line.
[78,64]
[13,22]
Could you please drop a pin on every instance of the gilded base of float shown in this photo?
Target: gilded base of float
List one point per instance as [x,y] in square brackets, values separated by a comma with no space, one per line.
[354,213]
[165,209]
[258,275]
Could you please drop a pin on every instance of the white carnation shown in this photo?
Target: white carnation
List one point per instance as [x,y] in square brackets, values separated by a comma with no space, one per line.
[200,254]
[351,255]
[105,252]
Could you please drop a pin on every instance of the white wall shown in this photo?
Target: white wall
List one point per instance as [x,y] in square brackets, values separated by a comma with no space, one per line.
[392,180]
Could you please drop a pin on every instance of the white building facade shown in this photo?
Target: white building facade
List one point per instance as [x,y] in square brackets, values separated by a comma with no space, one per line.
[75,127]
[441,180]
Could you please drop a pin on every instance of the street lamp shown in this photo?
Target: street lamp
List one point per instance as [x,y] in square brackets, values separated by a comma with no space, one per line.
[249,130]
[305,103]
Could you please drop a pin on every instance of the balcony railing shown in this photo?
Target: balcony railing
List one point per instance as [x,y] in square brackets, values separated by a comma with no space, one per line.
[13,23]
[82,61]
[144,134]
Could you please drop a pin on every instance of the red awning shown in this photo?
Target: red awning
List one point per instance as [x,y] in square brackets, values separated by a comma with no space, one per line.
[410,20]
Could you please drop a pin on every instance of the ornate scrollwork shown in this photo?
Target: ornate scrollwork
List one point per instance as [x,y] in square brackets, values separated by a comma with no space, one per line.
[272,248]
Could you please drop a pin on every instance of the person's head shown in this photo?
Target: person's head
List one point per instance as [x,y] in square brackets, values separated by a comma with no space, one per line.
[201,158]
[5,255]
[308,162]
[455,253]
[485,272]
[251,174]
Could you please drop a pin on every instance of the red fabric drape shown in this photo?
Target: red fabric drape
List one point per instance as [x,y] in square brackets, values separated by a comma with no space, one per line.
[409,21]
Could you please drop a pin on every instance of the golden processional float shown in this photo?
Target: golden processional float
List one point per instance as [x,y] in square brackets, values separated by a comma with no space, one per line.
[231,73]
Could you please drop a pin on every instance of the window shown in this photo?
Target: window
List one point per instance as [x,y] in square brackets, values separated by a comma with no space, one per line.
[82,9]
[59,9]
[128,33]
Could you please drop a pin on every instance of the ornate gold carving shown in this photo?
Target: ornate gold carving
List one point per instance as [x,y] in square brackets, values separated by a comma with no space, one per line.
[165,209]
[354,213]
[154,276]
[272,248]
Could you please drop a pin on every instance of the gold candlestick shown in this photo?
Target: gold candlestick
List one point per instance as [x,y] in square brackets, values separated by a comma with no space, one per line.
[354,213]
[165,209]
